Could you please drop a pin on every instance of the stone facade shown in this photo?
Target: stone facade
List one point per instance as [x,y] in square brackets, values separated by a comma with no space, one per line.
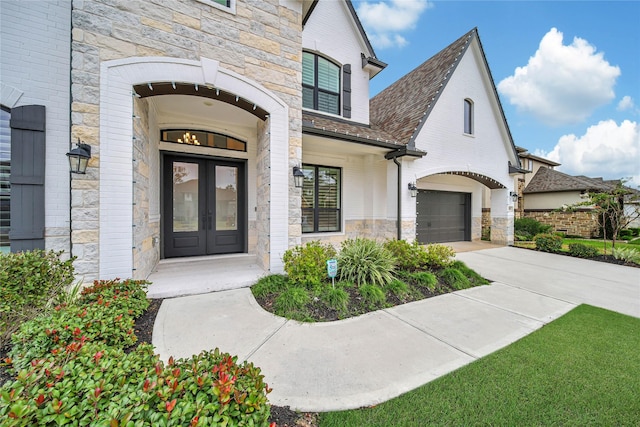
[502,230]
[486,222]
[261,41]
[380,230]
[579,223]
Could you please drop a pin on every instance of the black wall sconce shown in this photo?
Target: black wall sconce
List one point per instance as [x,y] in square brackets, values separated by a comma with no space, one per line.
[79,157]
[298,177]
[514,196]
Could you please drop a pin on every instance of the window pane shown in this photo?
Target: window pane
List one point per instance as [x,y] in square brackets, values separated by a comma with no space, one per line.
[226,198]
[328,220]
[307,97]
[308,187]
[328,188]
[5,188]
[307,220]
[328,75]
[307,69]
[185,197]
[468,117]
[328,103]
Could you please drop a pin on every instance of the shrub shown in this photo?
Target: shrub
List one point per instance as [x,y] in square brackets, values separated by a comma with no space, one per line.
[626,234]
[271,284]
[548,242]
[425,279]
[627,254]
[291,300]
[336,298]
[455,279]
[474,278]
[365,261]
[30,282]
[398,288]
[107,319]
[372,295]
[307,265]
[581,250]
[93,384]
[439,256]
[527,228]
[408,256]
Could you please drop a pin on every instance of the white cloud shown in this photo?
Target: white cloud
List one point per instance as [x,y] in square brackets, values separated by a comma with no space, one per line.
[385,20]
[626,103]
[606,150]
[561,84]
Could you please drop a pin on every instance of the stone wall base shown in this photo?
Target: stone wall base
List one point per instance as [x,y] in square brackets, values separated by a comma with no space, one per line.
[378,229]
[579,223]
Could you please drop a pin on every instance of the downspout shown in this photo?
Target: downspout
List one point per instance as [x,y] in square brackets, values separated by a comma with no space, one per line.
[70,129]
[395,160]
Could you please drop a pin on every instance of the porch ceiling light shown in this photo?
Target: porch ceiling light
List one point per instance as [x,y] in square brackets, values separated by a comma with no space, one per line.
[298,177]
[413,189]
[79,157]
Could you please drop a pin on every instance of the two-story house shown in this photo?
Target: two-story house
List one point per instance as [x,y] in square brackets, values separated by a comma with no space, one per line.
[226,126]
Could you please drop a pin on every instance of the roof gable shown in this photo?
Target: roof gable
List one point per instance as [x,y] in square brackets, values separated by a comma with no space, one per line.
[403,108]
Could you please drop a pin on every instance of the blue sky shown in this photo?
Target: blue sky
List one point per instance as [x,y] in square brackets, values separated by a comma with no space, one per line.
[567,72]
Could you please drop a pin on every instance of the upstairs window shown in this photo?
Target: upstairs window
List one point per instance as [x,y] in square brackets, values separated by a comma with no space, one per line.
[320,84]
[468,117]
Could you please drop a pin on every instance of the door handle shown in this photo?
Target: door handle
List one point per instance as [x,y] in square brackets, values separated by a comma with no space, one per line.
[210,219]
[204,221]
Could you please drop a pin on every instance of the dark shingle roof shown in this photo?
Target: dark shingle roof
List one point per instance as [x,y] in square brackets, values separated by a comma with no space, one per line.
[400,108]
[549,180]
[344,129]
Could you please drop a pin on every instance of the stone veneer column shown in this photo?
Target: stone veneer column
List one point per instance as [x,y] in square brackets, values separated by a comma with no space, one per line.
[501,217]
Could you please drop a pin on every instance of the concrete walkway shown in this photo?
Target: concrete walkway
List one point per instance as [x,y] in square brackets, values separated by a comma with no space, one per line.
[369,359]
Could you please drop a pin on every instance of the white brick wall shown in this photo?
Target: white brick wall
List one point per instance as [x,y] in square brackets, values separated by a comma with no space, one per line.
[331,31]
[38,66]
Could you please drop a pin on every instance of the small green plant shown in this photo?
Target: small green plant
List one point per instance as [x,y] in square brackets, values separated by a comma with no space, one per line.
[474,278]
[336,298]
[398,288]
[439,256]
[372,295]
[527,228]
[425,279]
[548,242]
[270,284]
[627,254]
[581,250]
[307,265]
[291,300]
[365,261]
[455,279]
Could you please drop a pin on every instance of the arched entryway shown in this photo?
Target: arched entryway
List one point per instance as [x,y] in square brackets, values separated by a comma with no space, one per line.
[123,118]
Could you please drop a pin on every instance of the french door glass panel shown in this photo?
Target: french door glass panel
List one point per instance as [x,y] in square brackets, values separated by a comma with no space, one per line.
[185,196]
[226,198]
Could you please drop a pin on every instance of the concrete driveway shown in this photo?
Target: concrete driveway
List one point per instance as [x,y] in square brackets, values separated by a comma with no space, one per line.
[372,358]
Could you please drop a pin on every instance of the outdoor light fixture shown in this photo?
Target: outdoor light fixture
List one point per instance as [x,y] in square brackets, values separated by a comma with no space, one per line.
[298,177]
[413,189]
[79,157]
[514,196]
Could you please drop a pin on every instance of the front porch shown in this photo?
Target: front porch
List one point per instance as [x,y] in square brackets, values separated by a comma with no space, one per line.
[200,275]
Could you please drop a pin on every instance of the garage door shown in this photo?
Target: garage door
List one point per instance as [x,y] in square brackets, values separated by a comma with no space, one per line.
[443,216]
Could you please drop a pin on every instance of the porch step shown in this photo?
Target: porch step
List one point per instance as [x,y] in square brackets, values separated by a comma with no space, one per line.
[191,276]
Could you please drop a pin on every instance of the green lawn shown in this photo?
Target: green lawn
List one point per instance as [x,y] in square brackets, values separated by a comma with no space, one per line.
[582,369]
[596,243]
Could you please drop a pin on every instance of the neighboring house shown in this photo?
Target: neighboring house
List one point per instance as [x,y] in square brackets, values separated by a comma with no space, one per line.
[549,191]
[530,165]
[199,113]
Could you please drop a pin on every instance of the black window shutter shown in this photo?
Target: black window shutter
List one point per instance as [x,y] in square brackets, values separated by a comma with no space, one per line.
[27,177]
[346,91]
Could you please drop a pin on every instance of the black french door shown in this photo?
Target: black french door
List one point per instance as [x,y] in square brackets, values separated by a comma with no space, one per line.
[204,207]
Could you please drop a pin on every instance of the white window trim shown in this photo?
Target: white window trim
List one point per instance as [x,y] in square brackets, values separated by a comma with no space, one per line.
[231,9]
